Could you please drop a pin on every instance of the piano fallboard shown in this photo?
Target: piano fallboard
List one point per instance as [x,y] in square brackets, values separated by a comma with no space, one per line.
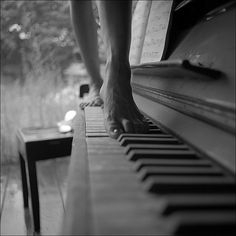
[192,92]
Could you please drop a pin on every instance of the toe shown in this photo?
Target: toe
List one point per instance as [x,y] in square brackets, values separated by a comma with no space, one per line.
[97,102]
[113,129]
[82,105]
[128,126]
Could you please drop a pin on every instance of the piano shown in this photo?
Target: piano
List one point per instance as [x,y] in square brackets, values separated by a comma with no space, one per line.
[178,179]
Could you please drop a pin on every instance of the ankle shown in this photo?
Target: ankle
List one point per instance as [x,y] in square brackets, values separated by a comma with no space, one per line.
[118,71]
[118,60]
[96,83]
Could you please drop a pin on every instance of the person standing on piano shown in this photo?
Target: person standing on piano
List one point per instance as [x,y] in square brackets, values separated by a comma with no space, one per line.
[120,111]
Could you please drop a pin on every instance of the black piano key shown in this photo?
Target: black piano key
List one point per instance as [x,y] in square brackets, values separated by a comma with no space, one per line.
[155,147]
[178,171]
[199,202]
[190,184]
[141,163]
[162,139]
[205,223]
[155,131]
[142,136]
[161,154]
[150,122]
[152,125]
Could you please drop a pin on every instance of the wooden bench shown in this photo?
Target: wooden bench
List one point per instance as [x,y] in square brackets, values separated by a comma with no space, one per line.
[36,144]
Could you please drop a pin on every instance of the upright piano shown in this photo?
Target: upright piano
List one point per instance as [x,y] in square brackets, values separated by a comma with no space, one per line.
[179,179]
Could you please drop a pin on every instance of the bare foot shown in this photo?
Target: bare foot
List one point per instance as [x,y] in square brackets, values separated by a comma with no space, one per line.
[120,111]
[93,98]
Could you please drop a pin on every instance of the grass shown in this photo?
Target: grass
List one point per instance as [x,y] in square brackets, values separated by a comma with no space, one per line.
[40,101]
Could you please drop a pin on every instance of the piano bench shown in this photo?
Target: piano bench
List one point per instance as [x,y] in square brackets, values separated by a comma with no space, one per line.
[35,144]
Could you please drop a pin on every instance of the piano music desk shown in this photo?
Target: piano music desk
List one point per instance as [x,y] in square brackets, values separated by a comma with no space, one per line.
[36,144]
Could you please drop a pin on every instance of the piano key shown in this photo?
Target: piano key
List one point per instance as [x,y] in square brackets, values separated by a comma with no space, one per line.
[151,122]
[94,120]
[96,131]
[95,128]
[155,131]
[210,222]
[174,208]
[178,171]
[161,154]
[96,134]
[134,136]
[141,163]
[94,123]
[155,146]
[198,202]
[190,184]
[162,139]
[152,125]
[88,129]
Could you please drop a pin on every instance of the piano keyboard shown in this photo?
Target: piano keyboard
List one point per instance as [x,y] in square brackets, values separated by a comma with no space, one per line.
[155,184]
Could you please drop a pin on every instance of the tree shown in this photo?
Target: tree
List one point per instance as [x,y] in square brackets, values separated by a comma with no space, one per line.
[36,34]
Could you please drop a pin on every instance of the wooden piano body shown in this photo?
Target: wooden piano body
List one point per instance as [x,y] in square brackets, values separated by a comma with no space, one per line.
[180,178]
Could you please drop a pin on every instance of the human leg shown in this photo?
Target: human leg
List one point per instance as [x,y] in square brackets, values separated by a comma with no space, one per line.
[120,111]
[86,36]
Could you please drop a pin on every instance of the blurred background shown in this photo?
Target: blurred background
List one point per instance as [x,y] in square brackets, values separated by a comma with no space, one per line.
[41,67]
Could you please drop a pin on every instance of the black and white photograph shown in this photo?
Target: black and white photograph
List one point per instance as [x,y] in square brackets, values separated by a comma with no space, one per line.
[118,117]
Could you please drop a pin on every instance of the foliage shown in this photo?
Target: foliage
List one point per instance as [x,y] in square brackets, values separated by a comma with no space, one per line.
[36,34]
[37,37]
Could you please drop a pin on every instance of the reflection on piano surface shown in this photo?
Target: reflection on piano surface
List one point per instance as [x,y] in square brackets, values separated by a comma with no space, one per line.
[179,179]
